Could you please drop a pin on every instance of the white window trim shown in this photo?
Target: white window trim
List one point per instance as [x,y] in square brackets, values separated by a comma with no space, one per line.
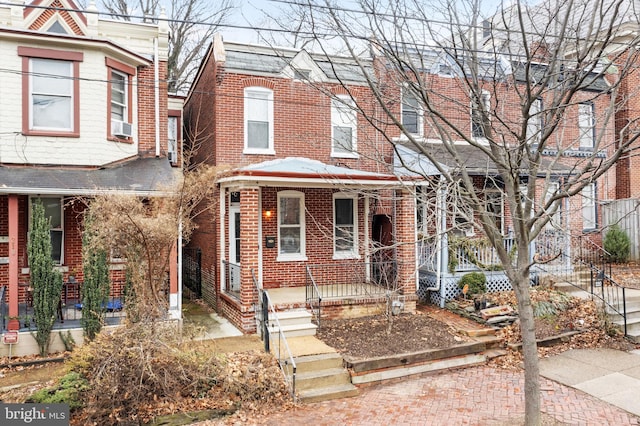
[270,149]
[586,134]
[302,256]
[535,124]
[125,105]
[485,98]
[346,102]
[555,220]
[61,228]
[353,253]
[419,112]
[589,206]
[71,97]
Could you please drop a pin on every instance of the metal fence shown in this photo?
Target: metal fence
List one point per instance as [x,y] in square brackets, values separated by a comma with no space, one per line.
[192,270]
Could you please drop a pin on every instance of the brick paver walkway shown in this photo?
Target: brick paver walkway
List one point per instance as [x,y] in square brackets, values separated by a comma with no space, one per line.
[472,396]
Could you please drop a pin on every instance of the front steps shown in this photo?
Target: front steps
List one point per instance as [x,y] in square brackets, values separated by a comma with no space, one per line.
[581,287]
[293,323]
[323,377]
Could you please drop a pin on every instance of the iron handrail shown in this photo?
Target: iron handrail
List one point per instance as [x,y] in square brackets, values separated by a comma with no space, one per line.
[311,289]
[281,340]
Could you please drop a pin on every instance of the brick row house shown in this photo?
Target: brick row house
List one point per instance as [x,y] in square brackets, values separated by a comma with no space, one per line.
[314,195]
[85,111]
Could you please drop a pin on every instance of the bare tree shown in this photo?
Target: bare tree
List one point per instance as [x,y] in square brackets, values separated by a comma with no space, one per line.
[529,96]
[192,24]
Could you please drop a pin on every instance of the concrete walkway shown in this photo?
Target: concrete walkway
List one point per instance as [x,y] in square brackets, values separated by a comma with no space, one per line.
[610,375]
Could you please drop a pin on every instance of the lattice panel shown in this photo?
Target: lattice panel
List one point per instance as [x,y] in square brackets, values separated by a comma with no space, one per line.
[496,281]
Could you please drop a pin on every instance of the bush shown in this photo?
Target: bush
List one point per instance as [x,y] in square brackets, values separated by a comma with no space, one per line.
[476,281]
[617,244]
[67,391]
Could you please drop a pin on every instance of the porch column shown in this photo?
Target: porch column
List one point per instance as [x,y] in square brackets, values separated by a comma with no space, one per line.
[250,213]
[406,240]
[13,262]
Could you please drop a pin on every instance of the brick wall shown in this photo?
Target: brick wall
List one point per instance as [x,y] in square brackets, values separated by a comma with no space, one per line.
[146,109]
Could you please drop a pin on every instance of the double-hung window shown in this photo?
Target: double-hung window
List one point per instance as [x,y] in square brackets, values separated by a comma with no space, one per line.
[258,120]
[411,113]
[555,219]
[589,219]
[291,226]
[120,93]
[480,114]
[343,127]
[53,209]
[534,125]
[586,125]
[345,226]
[50,79]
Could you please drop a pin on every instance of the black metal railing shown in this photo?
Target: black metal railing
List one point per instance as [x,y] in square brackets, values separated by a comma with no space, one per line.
[313,297]
[231,278]
[352,279]
[276,342]
[587,268]
[192,270]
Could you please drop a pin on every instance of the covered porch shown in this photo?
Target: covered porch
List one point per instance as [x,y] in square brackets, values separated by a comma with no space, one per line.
[308,237]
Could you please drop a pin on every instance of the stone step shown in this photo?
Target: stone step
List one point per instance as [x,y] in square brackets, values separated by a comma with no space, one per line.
[494,353]
[291,317]
[308,363]
[322,378]
[295,330]
[328,393]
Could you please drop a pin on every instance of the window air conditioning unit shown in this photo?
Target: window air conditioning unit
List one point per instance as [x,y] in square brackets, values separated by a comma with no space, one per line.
[121,129]
[172,156]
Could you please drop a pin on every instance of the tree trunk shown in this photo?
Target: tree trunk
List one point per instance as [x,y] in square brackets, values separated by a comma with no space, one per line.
[529,350]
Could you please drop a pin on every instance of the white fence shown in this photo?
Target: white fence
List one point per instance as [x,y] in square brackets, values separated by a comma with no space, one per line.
[625,214]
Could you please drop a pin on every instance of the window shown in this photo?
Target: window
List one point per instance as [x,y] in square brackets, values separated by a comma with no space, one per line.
[589,218]
[534,125]
[258,120]
[411,113]
[50,80]
[51,95]
[173,135]
[345,226]
[120,115]
[53,209]
[343,127]
[555,219]
[586,125]
[291,226]
[479,113]
[494,207]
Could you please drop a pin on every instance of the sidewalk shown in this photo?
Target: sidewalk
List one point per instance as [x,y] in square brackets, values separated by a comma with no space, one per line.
[610,375]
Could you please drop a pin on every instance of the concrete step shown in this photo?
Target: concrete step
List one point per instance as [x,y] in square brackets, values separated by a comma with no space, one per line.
[291,317]
[327,393]
[308,363]
[633,325]
[322,378]
[295,330]
[494,353]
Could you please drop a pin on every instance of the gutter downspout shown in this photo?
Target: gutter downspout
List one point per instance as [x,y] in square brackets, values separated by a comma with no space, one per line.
[156,85]
[180,266]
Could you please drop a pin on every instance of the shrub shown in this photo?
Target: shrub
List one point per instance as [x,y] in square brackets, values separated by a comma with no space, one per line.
[67,391]
[617,244]
[476,281]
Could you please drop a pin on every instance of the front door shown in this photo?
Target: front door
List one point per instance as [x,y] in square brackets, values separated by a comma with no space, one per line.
[234,249]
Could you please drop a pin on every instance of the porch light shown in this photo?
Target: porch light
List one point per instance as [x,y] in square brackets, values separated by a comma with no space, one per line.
[267,213]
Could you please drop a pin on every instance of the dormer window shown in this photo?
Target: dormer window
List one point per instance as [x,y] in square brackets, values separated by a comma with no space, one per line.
[301,74]
[445,69]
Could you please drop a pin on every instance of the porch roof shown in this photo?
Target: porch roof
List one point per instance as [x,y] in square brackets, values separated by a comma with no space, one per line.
[303,171]
[411,163]
[141,176]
